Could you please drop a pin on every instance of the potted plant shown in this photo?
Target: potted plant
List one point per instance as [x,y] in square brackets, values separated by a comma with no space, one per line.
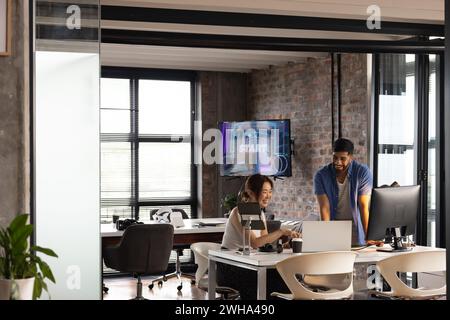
[22,272]
[229,201]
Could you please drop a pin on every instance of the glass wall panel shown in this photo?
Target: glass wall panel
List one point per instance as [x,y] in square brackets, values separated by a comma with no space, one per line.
[431,203]
[66,134]
[396,118]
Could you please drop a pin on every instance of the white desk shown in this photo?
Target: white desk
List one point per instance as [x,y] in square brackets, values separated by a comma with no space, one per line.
[190,227]
[183,236]
[260,262]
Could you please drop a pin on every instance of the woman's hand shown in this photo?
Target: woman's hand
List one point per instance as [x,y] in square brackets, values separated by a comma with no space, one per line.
[290,233]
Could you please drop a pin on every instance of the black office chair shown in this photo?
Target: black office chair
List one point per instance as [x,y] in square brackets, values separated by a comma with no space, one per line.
[179,250]
[144,249]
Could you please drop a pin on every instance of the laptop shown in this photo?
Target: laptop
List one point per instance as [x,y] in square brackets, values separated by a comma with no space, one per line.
[327,236]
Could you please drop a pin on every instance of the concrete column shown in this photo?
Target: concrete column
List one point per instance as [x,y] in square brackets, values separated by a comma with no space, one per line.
[14,120]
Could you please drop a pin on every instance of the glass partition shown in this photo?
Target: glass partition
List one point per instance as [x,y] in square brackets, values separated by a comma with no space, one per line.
[396,118]
[66,154]
[432,138]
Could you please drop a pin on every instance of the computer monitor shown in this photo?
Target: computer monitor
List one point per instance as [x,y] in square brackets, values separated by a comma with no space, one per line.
[250,213]
[393,213]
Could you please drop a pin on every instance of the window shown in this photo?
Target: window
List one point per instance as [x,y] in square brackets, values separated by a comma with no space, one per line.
[146,142]
[396,119]
[406,131]
[432,124]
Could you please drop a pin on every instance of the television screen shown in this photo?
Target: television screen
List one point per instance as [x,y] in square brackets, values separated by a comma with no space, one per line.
[251,147]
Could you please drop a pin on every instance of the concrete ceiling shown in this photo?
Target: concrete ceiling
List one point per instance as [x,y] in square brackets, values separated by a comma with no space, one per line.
[430,11]
[202,59]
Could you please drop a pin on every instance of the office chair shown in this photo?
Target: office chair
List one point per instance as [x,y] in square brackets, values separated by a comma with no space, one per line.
[179,250]
[426,261]
[316,264]
[144,249]
[200,250]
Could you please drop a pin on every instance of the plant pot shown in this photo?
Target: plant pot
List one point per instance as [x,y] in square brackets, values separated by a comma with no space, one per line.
[5,289]
[22,289]
[19,289]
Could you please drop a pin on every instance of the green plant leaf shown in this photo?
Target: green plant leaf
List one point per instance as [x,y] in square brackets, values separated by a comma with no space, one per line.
[18,260]
[2,266]
[18,222]
[46,271]
[37,289]
[46,251]
[19,239]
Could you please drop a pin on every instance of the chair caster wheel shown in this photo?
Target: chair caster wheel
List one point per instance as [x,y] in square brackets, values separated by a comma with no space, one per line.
[164,278]
[193,282]
[105,289]
[180,287]
[160,283]
[150,286]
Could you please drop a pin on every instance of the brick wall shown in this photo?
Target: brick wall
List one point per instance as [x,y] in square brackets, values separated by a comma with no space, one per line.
[223,98]
[354,108]
[302,92]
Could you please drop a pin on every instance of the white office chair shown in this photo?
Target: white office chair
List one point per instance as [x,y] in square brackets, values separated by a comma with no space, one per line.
[426,261]
[316,264]
[200,250]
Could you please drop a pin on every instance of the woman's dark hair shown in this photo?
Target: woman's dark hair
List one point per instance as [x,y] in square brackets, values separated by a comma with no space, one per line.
[343,145]
[255,184]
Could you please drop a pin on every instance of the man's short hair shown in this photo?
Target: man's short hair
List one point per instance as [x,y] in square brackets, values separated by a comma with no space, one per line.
[343,145]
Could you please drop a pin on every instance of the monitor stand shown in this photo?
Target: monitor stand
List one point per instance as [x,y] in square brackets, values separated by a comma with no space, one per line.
[397,246]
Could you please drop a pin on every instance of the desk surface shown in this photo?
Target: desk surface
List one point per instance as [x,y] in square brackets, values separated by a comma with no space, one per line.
[190,226]
[263,259]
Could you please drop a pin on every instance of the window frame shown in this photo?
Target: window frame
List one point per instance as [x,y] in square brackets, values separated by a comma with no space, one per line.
[134,75]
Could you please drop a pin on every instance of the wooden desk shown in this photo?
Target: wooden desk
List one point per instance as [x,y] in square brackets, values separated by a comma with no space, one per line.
[183,236]
[261,261]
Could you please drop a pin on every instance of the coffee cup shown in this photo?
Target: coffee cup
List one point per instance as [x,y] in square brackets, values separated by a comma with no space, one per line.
[297,244]
[115,218]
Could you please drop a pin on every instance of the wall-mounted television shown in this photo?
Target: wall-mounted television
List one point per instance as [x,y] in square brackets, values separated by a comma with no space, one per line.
[250,147]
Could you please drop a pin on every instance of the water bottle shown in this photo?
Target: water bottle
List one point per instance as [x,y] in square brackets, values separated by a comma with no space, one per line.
[246,239]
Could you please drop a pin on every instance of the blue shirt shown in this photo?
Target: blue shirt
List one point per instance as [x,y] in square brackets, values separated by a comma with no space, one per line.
[360,179]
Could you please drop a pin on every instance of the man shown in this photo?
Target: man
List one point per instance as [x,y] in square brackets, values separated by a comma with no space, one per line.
[343,190]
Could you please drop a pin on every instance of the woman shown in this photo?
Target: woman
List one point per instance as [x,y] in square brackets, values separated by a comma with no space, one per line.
[257,188]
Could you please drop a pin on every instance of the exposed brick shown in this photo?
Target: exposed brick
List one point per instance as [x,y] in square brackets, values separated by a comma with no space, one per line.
[301,92]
